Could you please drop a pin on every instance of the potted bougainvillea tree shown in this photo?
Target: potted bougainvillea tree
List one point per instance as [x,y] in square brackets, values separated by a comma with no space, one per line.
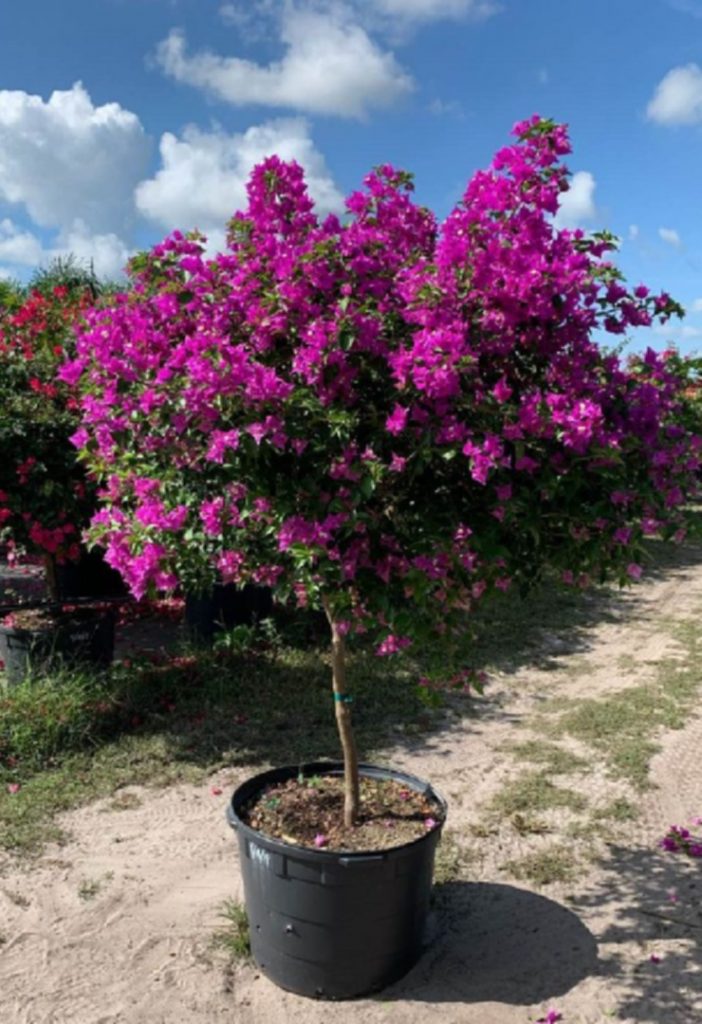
[388,420]
[46,499]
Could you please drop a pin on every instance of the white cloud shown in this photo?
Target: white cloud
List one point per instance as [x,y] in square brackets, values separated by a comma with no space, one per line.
[231,14]
[578,203]
[443,108]
[678,97]
[670,236]
[330,66]
[202,181]
[65,158]
[693,7]
[18,246]
[251,18]
[674,332]
[697,306]
[107,253]
[433,10]
[21,248]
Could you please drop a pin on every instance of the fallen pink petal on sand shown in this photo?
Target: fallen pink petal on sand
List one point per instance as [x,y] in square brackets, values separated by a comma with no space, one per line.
[215,791]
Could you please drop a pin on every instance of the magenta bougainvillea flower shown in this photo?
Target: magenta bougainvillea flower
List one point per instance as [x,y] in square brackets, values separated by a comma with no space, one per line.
[384,416]
[402,415]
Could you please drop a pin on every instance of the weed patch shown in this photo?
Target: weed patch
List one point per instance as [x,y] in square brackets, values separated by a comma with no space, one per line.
[557,863]
[233,937]
[534,792]
[553,759]
[624,726]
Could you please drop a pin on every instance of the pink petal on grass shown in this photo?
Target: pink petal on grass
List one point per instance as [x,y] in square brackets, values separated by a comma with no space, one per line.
[13,787]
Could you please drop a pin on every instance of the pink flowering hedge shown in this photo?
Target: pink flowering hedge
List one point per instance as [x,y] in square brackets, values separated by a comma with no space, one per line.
[400,415]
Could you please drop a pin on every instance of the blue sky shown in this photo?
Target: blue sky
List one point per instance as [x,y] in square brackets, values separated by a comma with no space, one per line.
[123,119]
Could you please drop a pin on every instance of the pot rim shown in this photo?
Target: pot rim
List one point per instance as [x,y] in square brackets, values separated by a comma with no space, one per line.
[253,785]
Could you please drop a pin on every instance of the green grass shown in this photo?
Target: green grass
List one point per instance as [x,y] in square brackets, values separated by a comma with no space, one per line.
[553,759]
[556,863]
[451,859]
[534,792]
[76,737]
[90,887]
[623,727]
[233,937]
[619,810]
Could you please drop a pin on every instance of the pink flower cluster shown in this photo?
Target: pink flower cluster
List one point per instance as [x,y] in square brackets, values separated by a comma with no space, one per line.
[679,839]
[397,413]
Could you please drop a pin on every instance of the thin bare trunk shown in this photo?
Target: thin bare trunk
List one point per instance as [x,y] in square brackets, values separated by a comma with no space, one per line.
[342,708]
[50,573]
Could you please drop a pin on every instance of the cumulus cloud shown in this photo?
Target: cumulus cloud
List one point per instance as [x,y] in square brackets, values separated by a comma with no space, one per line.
[19,246]
[330,66]
[578,203]
[106,253]
[202,180]
[433,10]
[670,236]
[678,97]
[66,159]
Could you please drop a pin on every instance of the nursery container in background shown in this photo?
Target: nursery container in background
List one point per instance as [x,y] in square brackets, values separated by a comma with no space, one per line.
[44,640]
[90,576]
[225,607]
[334,925]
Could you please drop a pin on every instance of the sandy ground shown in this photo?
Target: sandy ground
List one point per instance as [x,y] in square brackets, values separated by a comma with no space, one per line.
[499,951]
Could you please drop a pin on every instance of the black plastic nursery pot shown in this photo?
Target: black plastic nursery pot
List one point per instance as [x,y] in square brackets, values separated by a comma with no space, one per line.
[225,607]
[85,636]
[334,924]
[89,576]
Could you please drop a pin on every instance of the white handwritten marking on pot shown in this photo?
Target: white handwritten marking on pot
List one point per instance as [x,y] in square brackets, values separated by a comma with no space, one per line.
[259,855]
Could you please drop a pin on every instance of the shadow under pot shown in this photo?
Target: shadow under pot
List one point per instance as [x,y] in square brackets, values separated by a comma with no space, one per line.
[41,640]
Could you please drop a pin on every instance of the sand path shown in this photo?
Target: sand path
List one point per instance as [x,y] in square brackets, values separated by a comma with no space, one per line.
[139,950]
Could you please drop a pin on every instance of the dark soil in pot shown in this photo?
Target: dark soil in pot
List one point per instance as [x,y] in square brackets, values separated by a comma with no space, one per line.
[310,811]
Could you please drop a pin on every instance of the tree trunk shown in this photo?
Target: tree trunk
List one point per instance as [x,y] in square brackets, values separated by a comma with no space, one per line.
[342,708]
[51,577]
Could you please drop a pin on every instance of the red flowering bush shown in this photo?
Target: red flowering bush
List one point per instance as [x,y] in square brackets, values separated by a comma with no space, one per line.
[384,417]
[45,500]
